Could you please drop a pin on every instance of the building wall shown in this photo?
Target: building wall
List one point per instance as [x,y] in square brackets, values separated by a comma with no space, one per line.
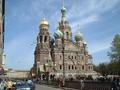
[1,32]
[17,74]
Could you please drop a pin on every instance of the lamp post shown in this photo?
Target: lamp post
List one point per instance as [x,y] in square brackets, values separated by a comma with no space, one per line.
[63,48]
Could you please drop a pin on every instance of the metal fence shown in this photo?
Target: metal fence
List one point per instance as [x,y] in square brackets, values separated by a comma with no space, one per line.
[86,85]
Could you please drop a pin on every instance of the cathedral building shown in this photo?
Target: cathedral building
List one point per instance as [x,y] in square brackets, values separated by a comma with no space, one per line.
[60,54]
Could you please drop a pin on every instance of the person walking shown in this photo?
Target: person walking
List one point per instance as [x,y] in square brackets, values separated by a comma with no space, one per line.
[9,84]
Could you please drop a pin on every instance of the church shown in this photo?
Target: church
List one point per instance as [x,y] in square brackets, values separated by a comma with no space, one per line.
[60,54]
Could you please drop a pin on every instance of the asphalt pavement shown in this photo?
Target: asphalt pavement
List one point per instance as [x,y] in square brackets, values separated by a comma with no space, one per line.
[45,87]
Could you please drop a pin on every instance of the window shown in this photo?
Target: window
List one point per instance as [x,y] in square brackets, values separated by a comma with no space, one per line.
[72,57]
[83,67]
[45,39]
[72,67]
[40,38]
[75,57]
[60,67]
[68,57]
[89,67]
[69,67]
[60,57]
[75,67]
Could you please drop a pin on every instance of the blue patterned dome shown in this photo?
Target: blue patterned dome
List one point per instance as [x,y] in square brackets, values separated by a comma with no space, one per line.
[58,34]
[52,39]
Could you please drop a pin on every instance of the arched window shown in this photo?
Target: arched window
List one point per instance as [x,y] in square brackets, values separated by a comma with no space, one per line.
[72,57]
[68,57]
[83,67]
[72,67]
[75,57]
[69,67]
[89,68]
[40,38]
[60,67]
[60,56]
[45,39]
[75,67]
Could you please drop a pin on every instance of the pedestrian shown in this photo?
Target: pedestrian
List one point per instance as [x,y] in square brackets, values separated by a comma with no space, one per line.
[9,84]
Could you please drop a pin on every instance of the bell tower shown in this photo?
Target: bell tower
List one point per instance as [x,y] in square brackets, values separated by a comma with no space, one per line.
[42,51]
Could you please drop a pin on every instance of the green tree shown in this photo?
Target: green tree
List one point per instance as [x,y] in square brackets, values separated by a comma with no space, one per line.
[103,68]
[114,54]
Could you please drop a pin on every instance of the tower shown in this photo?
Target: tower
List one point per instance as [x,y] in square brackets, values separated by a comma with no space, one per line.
[64,25]
[42,51]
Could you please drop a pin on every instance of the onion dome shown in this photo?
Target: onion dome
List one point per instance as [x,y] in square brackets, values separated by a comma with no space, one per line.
[84,42]
[63,9]
[52,39]
[58,34]
[78,37]
[44,24]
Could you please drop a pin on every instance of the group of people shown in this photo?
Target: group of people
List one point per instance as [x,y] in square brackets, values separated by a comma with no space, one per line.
[6,84]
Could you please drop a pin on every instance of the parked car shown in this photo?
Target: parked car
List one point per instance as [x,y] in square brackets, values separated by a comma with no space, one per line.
[22,86]
[31,84]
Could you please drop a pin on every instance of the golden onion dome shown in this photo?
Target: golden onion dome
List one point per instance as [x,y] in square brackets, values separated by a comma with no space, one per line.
[44,24]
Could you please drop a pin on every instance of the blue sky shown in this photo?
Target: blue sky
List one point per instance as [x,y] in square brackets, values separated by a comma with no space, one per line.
[99,21]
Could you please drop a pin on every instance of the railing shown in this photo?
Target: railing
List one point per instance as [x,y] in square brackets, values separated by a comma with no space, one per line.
[86,85]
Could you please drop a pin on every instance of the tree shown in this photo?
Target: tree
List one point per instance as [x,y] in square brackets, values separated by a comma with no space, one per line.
[102,68]
[114,54]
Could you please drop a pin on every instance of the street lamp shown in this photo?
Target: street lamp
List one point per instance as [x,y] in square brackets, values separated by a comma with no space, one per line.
[63,48]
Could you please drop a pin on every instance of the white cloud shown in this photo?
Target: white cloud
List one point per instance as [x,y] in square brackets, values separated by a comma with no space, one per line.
[90,10]
[84,21]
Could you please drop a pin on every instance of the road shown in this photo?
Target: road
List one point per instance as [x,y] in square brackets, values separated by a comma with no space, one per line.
[45,87]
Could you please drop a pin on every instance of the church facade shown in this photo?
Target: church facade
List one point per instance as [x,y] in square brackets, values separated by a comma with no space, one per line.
[60,54]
